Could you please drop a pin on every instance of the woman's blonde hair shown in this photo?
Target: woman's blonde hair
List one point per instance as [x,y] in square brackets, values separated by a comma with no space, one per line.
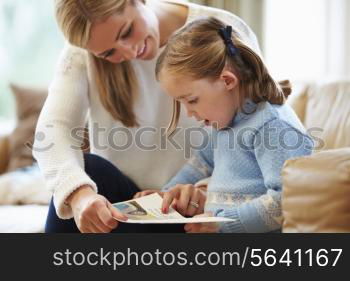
[198,51]
[117,83]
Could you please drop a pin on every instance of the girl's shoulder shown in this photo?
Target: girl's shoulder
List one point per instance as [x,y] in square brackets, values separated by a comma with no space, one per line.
[279,114]
[257,116]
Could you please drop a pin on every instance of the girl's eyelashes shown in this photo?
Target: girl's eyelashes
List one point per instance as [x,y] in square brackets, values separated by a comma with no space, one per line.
[128,32]
[194,101]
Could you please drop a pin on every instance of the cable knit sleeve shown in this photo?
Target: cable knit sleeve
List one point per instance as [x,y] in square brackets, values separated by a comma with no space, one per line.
[55,148]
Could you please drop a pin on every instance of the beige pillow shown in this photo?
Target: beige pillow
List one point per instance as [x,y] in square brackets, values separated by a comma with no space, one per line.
[4,151]
[298,100]
[29,103]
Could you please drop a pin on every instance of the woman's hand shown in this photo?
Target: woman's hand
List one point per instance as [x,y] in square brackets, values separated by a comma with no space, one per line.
[93,213]
[207,227]
[148,192]
[187,199]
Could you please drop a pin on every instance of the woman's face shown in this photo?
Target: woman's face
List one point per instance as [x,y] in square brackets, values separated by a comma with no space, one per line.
[134,34]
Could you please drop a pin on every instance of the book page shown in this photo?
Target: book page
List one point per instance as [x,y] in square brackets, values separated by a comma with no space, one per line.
[147,209]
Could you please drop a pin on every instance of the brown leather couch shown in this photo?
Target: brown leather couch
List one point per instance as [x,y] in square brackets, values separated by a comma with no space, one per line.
[316,188]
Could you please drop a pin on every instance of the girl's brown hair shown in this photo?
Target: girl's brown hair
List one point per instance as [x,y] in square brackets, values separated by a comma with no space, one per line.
[198,51]
[117,83]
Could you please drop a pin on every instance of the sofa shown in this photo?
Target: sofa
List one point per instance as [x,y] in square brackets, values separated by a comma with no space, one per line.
[316,188]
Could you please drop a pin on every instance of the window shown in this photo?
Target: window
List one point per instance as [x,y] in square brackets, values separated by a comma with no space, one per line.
[29,46]
[307,39]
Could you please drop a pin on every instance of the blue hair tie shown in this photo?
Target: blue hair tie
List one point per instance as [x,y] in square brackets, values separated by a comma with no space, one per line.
[226,35]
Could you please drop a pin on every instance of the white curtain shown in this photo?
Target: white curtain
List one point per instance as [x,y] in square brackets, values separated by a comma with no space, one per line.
[338,39]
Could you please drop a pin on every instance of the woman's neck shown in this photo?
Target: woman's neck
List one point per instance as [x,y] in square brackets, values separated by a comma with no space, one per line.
[171,17]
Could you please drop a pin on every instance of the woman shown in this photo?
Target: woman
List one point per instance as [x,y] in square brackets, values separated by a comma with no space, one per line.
[106,74]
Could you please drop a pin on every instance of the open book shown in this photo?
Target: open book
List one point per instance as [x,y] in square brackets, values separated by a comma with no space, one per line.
[147,209]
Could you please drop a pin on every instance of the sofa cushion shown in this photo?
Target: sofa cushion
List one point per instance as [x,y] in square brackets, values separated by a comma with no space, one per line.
[327,114]
[29,103]
[298,99]
[316,192]
[4,155]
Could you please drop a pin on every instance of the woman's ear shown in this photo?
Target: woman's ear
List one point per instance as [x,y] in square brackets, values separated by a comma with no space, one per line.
[230,79]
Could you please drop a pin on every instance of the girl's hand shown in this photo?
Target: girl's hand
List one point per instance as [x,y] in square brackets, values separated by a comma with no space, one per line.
[147,192]
[187,199]
[92,212]
[207,227]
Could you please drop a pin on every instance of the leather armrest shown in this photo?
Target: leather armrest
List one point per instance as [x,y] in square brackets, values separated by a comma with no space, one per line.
[316,192]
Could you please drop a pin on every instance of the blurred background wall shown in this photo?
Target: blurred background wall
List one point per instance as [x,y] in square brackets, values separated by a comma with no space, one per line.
[300,39]
[29,46]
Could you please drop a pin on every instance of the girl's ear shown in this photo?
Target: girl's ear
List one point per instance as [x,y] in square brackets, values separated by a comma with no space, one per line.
[230,79]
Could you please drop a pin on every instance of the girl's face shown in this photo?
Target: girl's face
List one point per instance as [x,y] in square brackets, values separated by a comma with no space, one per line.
[213,102]
[134,34]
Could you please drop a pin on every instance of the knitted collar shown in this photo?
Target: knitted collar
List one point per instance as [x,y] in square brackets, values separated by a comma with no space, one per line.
[247,109]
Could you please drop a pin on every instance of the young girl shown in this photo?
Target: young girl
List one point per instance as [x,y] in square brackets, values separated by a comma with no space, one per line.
[224,83]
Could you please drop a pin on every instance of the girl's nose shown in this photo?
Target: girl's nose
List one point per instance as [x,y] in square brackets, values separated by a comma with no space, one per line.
[190,113]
